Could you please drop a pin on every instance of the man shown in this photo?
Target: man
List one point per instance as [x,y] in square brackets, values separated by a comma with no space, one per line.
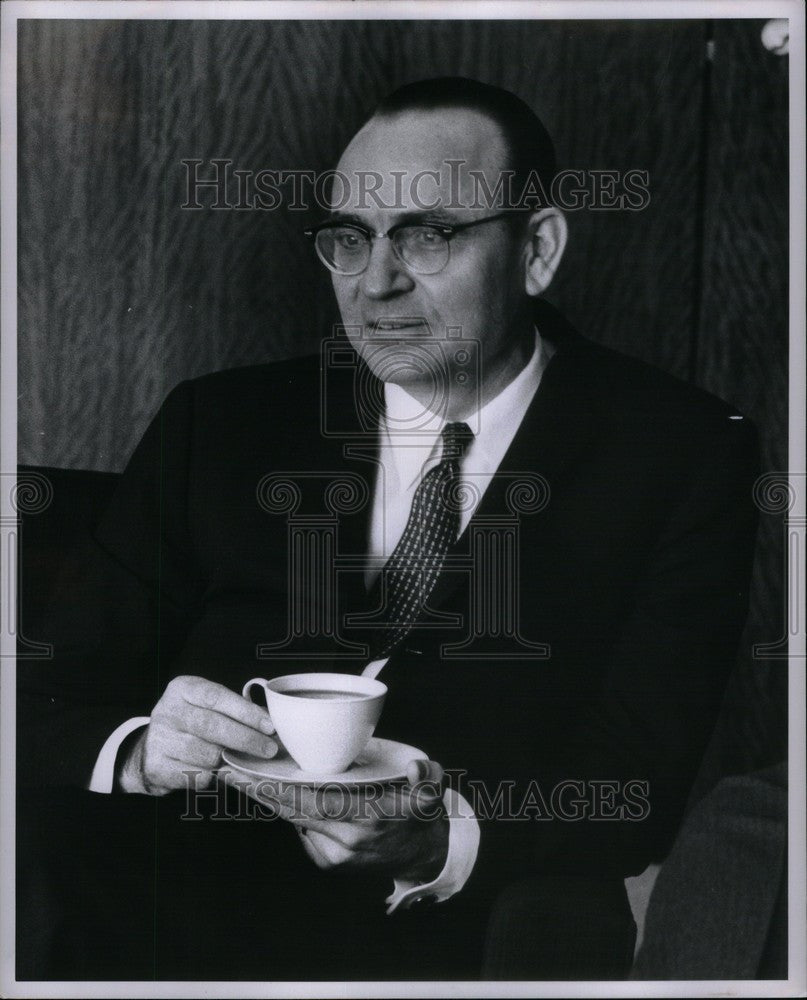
[557,639]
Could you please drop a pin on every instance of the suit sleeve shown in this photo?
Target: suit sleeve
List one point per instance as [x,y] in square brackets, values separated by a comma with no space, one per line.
[123,605]
[663,683]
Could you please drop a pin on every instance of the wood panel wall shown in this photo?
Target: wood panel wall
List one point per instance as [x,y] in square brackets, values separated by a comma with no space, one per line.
[741,349]
[122,293]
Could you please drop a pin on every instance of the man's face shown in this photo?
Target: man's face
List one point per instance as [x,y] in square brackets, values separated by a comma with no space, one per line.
[481,290]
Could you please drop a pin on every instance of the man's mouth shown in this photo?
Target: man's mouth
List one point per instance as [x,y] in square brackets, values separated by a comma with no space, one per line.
[396,324]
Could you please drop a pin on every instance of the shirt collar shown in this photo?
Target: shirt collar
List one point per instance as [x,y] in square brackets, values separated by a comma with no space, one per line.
[494,425]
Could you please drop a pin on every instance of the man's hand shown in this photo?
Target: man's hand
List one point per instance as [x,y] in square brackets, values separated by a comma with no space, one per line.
[190,725]
[400,830]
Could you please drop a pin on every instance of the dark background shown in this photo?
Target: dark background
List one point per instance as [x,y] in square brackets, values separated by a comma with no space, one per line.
[122,294]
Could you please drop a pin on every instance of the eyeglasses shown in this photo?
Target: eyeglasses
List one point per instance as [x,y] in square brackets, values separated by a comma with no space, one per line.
[424,247]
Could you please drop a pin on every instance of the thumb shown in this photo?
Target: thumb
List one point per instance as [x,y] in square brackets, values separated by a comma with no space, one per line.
[426,779]
[424,770]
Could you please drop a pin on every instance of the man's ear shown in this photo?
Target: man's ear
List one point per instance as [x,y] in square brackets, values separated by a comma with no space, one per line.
[547,241]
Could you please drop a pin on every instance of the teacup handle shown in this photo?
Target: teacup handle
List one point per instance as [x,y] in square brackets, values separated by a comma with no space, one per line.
[247,689]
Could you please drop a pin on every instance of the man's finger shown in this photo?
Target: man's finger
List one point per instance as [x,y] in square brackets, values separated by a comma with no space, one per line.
[418,771]
[328,802]
[235,779]
[277,796]
[313,851]
[217,698]
[244,783]
[224,731]
[268,792]
[194,752]
[347,835]
[333,852]
[422,795]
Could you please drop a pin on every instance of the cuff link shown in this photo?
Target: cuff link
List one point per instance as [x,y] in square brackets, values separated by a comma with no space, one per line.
[421,902]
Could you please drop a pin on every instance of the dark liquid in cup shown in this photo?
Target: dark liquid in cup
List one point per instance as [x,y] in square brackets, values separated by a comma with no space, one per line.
[325,695]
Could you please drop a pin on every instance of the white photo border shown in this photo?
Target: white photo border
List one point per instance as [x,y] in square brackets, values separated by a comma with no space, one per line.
[15,10]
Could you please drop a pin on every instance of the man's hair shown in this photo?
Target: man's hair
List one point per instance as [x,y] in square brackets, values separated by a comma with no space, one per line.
[529,146]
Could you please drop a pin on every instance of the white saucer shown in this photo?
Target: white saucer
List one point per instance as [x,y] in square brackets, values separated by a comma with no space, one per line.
[381,761]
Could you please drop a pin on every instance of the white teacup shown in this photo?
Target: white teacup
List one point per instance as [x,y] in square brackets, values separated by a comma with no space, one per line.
[324,720]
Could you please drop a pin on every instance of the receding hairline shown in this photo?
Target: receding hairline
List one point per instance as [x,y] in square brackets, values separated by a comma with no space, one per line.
[382,116]
[528,144]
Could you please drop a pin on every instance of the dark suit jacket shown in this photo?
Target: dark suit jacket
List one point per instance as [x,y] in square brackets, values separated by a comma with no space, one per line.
[635,574]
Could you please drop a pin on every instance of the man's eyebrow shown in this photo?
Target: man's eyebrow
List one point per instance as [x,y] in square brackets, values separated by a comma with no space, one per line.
[348,217]
[438,216]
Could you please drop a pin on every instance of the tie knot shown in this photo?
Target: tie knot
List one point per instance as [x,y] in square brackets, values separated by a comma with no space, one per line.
[456,438]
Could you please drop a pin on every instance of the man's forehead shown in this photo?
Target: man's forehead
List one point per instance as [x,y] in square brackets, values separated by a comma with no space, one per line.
[397,148]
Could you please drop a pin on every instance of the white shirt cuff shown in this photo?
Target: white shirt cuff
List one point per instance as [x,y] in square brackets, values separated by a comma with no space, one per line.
[463,847]
[103,775]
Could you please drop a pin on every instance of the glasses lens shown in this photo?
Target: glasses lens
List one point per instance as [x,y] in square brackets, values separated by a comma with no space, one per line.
[422,248]
[343,249]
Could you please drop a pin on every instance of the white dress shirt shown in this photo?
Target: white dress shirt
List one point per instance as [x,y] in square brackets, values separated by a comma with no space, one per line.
[404,458]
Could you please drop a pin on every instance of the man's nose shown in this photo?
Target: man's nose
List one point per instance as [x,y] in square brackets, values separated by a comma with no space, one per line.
[385,275]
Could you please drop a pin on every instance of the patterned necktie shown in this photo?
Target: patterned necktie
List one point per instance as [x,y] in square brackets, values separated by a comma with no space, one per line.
[411,572]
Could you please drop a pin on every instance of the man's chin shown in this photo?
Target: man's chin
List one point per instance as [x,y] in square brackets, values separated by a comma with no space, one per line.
[404,363]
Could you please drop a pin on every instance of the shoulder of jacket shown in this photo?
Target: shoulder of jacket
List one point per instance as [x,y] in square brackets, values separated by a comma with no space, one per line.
[628,385]
[291,374]
[617,383]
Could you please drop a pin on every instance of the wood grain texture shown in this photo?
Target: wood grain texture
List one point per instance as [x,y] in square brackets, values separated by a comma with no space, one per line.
[123,293]
[742,347]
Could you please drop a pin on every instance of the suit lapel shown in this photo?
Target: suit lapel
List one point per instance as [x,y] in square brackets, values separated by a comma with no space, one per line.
[351,435]
[558,427]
